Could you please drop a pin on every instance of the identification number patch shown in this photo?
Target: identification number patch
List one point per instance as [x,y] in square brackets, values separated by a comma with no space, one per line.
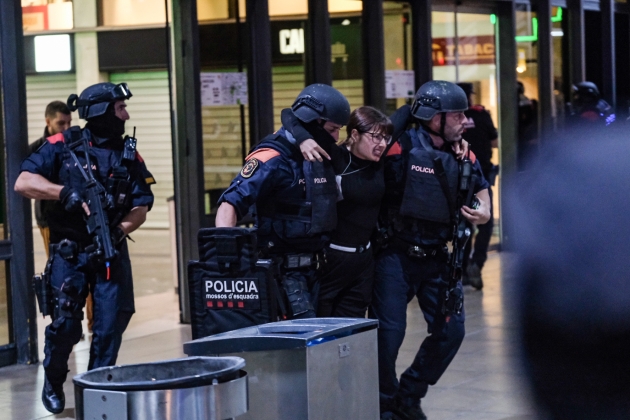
[249,168]
[239,293]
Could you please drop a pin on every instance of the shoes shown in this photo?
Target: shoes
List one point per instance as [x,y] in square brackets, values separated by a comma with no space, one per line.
[406,412]
[53,397]
[473,272]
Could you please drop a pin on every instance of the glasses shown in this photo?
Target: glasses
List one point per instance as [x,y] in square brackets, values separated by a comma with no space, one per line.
[379,137]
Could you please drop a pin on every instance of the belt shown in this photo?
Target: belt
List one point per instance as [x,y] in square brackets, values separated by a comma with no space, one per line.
[415,251]
[305,260]
[350,249]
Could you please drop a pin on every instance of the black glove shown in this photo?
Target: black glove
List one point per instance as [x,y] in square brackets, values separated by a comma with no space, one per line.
[71,199]
[118,235]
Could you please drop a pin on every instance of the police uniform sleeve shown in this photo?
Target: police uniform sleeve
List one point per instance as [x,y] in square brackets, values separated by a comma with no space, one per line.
[400,120]
[263,170]
[43,161]
[141,194]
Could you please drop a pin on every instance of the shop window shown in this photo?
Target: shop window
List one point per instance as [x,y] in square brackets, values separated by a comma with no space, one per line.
[46,15]
[132,12]
[208,10]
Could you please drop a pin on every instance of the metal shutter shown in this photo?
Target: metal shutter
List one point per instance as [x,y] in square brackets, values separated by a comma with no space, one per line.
[40,91]
[149,109]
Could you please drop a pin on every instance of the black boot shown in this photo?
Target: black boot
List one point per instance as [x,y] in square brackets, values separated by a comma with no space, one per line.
[53,397]
[410,413]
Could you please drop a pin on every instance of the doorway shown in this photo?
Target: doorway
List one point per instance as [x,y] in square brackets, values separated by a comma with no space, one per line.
[464,50]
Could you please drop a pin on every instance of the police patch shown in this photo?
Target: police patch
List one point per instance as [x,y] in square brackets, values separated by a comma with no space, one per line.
[249,168]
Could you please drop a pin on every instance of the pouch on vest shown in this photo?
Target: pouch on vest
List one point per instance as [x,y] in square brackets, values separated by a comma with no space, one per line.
[423,197]
[321,192]
[229,286]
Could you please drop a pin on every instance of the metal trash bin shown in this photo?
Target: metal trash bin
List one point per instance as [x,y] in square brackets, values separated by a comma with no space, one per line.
[315,369]
[195,388]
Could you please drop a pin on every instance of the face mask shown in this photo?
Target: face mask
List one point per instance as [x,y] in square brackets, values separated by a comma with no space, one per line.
[107,126]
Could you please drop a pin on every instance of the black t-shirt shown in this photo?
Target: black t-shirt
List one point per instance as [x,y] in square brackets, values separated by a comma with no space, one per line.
[480,130]
[362,188]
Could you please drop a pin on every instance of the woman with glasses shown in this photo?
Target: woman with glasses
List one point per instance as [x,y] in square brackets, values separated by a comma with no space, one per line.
[345,288]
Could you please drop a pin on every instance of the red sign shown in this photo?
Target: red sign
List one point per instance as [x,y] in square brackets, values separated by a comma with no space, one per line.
[471,50]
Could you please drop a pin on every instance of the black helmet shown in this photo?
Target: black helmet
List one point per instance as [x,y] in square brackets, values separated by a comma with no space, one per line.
[321,101]
[438,96]
[95,99]
[587,89]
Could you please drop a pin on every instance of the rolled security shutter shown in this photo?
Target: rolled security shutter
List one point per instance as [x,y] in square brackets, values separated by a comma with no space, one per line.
[40,91]
[149,111]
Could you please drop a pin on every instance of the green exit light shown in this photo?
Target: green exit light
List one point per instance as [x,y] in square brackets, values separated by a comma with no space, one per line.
[534,36]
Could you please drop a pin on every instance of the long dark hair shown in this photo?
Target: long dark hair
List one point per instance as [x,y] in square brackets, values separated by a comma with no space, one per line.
[368,119]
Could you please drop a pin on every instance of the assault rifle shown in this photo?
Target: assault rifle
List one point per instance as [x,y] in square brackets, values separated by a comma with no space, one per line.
[102,249]
[453,298]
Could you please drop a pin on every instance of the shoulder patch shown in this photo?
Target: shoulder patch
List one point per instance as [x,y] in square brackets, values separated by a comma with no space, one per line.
[150,180]
[249,168]
[472,156]
[56,138]
[263,155]
[139,157]
[478,108]
[395,149]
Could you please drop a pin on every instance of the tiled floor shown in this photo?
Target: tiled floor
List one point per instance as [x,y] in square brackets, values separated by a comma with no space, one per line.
[482,383]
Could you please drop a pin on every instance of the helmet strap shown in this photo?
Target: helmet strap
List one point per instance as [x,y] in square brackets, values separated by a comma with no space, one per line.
[442,126]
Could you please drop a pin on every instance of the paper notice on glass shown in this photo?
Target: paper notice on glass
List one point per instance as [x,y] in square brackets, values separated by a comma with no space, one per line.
[399,84]
[218,89]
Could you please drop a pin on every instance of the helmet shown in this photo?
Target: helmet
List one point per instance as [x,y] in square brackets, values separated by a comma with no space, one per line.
[95,99]
[321,101]
[438,96]
[586,89]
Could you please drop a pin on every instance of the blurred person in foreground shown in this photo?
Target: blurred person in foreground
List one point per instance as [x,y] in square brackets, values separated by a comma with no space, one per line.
[572,294]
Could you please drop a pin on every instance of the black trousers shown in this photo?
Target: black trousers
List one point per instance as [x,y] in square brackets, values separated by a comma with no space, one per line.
[345,288]
[482,241]
[113,308]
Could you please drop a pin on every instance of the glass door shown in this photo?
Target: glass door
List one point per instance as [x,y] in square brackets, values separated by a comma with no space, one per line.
[464,50]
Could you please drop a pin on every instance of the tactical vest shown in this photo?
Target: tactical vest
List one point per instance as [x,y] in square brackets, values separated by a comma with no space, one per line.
[103,164]
[229,288]
[309,207]
[423,196]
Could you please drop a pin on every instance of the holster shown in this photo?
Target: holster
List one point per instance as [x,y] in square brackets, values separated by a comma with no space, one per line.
[43,290]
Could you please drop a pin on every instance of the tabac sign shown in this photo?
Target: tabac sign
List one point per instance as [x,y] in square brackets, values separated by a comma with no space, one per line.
[470,50]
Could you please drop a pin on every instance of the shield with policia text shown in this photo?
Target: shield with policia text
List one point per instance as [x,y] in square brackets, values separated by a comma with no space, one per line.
[229,286]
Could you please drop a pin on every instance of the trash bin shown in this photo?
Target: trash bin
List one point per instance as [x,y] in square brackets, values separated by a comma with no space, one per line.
[195,388]
[315,369]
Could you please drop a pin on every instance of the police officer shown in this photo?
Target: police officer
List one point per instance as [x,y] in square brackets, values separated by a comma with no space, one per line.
[480,132]
[588,106]
[57,171]
[292,199]
[421,176]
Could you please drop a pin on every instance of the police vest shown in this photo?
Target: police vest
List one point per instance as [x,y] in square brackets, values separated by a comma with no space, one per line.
[102,163]
[424,197]
[309,207]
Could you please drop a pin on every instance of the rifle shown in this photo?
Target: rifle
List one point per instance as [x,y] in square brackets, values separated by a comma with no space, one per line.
[454,298]
[102,249]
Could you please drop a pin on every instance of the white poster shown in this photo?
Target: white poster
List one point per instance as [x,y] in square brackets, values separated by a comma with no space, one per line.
[399,84]
[218,89]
